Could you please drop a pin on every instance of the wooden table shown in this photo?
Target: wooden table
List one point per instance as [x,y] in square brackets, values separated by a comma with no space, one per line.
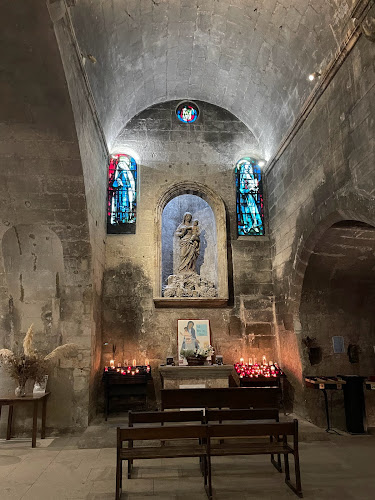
[30,398]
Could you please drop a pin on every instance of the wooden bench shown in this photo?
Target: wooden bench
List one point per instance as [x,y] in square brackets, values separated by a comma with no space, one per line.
[192,442]
[276,446]
[225,397]
[162,417]
[245,415]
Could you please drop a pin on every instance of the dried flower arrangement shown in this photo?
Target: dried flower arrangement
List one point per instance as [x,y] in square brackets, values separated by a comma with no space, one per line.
[31,364]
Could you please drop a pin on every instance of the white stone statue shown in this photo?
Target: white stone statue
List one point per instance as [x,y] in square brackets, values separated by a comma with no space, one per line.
[188,233]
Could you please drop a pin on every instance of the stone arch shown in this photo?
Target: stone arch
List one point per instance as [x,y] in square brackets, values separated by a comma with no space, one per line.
[336,304]
[218,208]
[351,206]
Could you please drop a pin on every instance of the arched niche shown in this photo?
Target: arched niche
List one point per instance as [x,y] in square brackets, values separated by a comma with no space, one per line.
[207,203]
[172,216]
[34,274]
[336,312]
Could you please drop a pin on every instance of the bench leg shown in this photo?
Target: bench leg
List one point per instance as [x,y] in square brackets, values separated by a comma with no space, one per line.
[298,488]
[208,487]
[277,464]
[286,461]
[118,479]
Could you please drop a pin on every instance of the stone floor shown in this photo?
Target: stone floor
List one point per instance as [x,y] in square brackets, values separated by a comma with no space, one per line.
[341,467]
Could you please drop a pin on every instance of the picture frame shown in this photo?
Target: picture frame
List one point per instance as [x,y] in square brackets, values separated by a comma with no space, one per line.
[192,334]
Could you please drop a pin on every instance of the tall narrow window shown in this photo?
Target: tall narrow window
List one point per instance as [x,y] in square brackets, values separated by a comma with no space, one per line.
[122,195]
[250,205]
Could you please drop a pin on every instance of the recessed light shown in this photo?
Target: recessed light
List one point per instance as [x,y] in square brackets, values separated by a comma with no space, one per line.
[314,75]
[261,163]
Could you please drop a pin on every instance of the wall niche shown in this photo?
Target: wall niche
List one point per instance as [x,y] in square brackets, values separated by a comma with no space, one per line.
[173,214]
[205,283]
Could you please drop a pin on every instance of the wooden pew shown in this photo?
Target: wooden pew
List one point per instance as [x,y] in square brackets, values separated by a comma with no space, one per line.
[192,442]
[220,431]
[245,415]
[162,417]
[226,397]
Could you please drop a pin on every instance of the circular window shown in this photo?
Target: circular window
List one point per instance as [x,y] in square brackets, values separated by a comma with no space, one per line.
[187,112]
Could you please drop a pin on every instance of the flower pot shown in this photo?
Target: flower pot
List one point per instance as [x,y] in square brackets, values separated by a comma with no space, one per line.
[195,360]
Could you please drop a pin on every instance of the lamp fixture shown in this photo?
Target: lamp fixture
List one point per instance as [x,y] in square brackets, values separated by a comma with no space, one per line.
[261,163]
[314,75]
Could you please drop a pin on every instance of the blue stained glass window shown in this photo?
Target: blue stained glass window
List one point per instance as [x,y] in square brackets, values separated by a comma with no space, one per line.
[122,195]
[187,112]
[250,204]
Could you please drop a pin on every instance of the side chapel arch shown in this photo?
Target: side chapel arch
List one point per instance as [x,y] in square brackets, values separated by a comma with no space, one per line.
[218,208]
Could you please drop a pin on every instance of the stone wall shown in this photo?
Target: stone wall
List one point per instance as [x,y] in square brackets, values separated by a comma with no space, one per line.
[94,158]
[324,176]
[172,152]
[45,262]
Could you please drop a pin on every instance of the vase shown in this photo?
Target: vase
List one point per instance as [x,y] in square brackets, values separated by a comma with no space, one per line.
[20,391]
[195,360]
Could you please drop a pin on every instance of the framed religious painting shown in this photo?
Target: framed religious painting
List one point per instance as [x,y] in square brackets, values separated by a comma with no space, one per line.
[193,340]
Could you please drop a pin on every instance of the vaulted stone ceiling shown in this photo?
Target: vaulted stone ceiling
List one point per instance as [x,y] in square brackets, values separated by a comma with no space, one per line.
[251,57]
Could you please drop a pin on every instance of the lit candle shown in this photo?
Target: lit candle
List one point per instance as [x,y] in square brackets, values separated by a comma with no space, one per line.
[118,365]
[112,363]
[106,368]
[133,372]
[147,361]
[118,369]
[250,361]
[137,370]
[134,362]
[241,361]
[264,360]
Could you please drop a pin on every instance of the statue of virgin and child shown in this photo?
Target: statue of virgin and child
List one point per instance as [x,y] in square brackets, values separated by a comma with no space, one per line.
[186,282]
[188,232]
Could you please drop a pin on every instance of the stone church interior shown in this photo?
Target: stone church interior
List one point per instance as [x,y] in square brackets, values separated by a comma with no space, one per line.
[187,256]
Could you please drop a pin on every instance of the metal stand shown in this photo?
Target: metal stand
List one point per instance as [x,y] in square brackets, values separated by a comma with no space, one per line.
[329,428]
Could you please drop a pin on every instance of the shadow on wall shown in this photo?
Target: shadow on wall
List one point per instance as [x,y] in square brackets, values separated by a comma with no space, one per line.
[127,307]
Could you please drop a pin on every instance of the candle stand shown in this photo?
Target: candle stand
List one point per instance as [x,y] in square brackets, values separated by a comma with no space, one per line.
[126,384]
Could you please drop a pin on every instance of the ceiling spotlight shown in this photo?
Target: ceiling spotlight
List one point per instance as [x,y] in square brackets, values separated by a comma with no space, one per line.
[261,163]
[91,58]
[314,75]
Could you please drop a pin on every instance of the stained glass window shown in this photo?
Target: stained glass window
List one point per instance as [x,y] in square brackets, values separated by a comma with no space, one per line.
[122,195]
[250,204]
[187,112]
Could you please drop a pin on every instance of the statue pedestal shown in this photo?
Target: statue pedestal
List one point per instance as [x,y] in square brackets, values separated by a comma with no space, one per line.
[210,376]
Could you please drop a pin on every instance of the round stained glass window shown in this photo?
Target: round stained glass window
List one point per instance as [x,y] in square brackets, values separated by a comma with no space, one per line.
[187,112]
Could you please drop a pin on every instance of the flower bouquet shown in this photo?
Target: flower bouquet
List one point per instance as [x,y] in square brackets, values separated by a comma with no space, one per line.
[27,363]
[198,356]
